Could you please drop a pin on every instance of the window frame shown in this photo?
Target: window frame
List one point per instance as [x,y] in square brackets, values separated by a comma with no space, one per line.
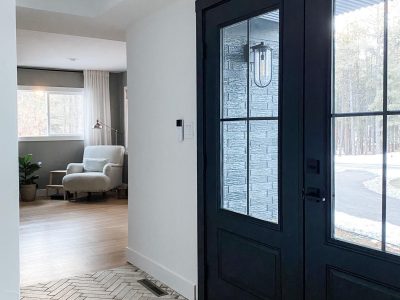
[48,90]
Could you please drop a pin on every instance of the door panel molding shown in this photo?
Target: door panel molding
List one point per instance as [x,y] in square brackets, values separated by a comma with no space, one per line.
[342,284]
[260,282]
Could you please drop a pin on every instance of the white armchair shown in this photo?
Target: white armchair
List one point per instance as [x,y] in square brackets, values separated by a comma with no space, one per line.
[100,171]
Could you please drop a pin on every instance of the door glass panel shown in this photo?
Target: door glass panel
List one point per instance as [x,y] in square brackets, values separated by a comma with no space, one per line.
[365,124]
[394,55]
[234,71]
[393,186]
[250,117]
[358,56]
[263,164]
[234,174]
[358,180]
[264,31]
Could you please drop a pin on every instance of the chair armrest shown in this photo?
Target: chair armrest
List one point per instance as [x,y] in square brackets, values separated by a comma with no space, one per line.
[74,168]
[114,172]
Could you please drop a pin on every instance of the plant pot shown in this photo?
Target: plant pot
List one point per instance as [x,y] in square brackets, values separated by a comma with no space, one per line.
[28,192]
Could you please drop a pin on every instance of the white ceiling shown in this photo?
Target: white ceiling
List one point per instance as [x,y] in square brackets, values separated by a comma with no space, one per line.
[57,51]
[106,19]
[93,31]
[85,8]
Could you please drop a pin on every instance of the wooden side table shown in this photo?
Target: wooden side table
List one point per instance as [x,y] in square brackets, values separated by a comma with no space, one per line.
[51,184]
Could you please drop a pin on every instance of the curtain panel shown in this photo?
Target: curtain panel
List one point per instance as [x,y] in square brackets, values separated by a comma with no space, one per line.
[97,107]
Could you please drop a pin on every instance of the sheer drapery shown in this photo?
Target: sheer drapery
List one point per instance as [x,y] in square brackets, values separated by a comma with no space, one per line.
[97,102]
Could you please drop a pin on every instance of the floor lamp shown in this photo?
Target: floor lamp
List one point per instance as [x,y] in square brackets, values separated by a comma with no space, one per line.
[101,125]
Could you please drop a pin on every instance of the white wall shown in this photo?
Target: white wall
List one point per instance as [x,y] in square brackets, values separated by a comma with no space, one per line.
[162,171]
[9,267]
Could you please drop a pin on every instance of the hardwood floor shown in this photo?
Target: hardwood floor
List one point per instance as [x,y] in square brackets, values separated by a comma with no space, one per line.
[60,239]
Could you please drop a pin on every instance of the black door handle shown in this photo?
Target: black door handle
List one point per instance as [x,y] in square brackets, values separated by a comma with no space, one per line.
[314,194]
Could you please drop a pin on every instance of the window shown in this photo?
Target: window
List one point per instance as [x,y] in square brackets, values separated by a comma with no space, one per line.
[366,124]
[51,113]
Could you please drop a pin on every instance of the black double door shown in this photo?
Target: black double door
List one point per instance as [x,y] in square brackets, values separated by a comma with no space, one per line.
[281,213]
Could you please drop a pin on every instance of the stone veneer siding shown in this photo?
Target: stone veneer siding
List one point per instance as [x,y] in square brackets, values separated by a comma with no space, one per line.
[263,134]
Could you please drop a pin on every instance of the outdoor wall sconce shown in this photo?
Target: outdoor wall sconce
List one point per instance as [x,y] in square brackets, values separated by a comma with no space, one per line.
[262,59]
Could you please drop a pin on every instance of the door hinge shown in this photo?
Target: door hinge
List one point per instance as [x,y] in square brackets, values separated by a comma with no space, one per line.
[205,51]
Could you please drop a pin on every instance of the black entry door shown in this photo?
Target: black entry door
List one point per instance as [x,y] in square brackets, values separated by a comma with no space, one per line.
[352,132]
[250,141]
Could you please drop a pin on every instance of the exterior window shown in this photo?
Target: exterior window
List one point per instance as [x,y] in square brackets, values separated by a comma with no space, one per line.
[50,114]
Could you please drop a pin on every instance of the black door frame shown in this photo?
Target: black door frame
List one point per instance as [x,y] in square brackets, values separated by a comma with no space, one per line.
[202,7]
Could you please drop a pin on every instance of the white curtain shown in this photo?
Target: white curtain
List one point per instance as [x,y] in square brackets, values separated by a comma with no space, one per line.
[97,102]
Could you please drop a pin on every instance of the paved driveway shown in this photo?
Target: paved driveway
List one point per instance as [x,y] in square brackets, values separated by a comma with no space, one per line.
[353,198]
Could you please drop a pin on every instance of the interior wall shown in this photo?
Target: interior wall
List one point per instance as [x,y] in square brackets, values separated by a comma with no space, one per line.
[56,155]
[37,77]
[9,214]
[162,171]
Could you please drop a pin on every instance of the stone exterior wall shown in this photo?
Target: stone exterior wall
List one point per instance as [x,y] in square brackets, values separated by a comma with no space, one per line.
[263,134]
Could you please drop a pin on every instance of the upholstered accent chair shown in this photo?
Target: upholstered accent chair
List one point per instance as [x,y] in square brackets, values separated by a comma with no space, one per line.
[100,171]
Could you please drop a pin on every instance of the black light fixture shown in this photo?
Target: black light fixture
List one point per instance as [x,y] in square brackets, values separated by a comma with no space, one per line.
[262,59]
[101,125]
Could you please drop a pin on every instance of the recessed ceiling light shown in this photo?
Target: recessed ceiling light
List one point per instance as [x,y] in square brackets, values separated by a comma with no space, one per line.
[72,58]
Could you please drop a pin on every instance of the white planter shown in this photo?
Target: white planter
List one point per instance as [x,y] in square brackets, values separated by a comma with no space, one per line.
[28,192]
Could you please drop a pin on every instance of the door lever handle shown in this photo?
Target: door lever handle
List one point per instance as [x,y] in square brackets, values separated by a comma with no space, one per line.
[314,194]
[315,198]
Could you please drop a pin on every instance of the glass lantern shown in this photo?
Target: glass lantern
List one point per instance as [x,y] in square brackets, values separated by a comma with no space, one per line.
[262,58]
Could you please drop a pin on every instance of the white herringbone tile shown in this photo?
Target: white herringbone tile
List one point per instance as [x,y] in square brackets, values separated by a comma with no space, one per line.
[115,284]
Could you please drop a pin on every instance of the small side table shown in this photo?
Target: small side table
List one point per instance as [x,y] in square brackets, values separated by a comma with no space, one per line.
[51,184]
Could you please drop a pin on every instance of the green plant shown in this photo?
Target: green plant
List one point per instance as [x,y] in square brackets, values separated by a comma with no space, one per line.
[27,169]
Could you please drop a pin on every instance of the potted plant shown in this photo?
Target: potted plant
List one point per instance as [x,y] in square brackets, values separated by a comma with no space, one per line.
[27,179]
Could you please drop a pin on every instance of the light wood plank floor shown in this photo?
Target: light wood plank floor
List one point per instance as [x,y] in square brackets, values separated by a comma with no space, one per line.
[59,239]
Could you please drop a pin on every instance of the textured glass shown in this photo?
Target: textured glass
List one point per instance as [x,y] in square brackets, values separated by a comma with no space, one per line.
[357,195]
[234,71]
[393,186]
[394,55]
[359,36]
[264,100]
[264,170]
[234,158]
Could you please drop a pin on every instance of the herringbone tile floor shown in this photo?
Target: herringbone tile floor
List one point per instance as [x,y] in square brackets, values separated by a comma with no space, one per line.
[119,284]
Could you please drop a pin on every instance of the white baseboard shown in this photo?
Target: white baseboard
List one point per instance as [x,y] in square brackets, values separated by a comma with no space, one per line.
[163,274]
